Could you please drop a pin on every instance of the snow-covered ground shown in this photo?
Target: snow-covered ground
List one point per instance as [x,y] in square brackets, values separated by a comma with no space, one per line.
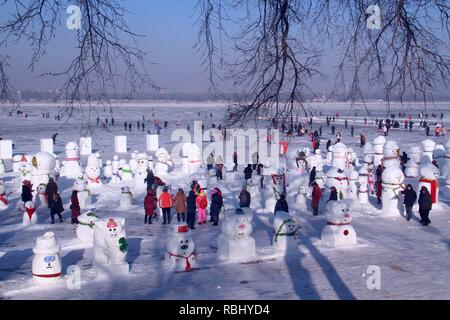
[414,260]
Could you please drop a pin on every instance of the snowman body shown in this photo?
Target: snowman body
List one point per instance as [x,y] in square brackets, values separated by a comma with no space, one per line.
[337,178]
[110,248]
[85,227]
[83,195]
[127,174]
[108,169]
[29,216]
[126,198]
[192,159]
[428,146]
[391,194]
[71,166]
[115,165]
[338,231]
[340,156]
[41,199]
[412,166]
[46,265]
[429,178]
[284,232]
[300,198]
[140,173]
[235,242]
[180,249]
[378,144]
[352,189]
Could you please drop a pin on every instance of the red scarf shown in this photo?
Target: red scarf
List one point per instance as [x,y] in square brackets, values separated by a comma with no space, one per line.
[72,159]
[434,185]
[3,199]
[95,180]
[54,275]
[337,224]
[188,265]
[30,212]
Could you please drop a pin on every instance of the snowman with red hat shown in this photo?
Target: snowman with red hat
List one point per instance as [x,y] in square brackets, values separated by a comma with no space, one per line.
[181,254]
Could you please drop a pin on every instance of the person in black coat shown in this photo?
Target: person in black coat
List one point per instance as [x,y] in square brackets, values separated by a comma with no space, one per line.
[244,198]
[333,195]
[216,205]
[425,205]
[281,205]
[50,189]
[248,172]
[27,191]
[409,200]
[56,207]
[150,180]
[328,145]
[191,209]
[312,176]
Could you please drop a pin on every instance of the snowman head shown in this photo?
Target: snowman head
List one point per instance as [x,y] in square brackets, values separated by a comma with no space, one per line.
[302,190]
[162,155]
[338,212]
[92,169]
[284,223]
[180,242]
[429,171]
[41,188]
[116,157]
[237,223]
[125,189]
[43,161]
[114,228]
[142,160]
[87,219]
[79,185]
[72,150]
[391,149]
[108,162]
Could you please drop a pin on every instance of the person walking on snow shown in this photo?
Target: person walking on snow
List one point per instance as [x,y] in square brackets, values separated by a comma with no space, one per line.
[191,208]
[248,172]
[75,207]
[180,205]
[425,206]
[149,206]
[315,198]
[409,200]
[56,207]
[202,203]
[281,205]
[216,205]
[244,198]
[165,202]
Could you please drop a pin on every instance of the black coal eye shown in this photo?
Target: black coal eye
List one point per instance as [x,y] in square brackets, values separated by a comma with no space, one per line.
[181,241]
[114,229]
[110,230]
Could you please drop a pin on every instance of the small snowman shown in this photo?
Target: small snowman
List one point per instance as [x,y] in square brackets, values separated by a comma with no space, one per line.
[85,227]
[192,159]
[3,198]
[181,255]
[71,166]
[127,174]
[363,194]
[110,248]
[235,242]
[338,231]
[133,161]
[115,165]
[429,178]
[140,173]
[284,232]
[428,147]
[2,167]
[41,199]
[320,176]
[83,195]
[92,173]
[300,198]
[164,164]
[126,197]
[30,215]
[46,265]
[391,194]
[108,169]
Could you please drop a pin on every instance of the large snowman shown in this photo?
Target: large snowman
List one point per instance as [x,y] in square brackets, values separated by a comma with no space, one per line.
[92,173]
[46,265]
[391,194]
[235,242]
[429,178]
[71,166]
[163,162]
[181,255]
[391,154]
[378,146]
[340,156]
[192,158]
[338,231]
[110,247]
[284,232]
[413,164]
[43,168]
[140,173]
[85,227]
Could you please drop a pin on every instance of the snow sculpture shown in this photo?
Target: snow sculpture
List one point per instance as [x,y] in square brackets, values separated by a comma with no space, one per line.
[46,265]
[180,248]
[338,231]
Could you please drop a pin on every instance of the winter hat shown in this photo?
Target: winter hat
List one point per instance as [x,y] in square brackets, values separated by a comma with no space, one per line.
[111,224]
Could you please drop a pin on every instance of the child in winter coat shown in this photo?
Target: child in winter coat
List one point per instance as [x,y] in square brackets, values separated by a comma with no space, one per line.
[409,200]
[75,207]
[56,207]
[333,195]
[316,195]
[248,172]
[149,206]
[202,203]
[180,205]
[27,191]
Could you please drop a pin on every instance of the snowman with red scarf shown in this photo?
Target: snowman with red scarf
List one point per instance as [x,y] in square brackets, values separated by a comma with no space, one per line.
[338,231]
[3,198]
[92,173]
[429,178]
[71,166]
[181,255]
[29,215]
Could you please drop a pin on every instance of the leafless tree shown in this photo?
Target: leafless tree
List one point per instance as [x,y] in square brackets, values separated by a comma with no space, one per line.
[279,44]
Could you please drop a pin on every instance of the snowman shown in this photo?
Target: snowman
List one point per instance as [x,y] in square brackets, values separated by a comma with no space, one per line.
[99,159]
[41,199]
[338,231]
[412,166]
[445,191]
[352,189]
[329,156]
[279,184]
[2,167]
[25,168]
[315,160]
[127,173]
[340,156]
[320,176]
[284,232]
[126,197]
[300,198]
[378,144]
[429,178]
[92,173]
[352,158]
[3,198]
[133,162]
[57,170]
[181,255]
[110,248]
[439,156]
[85,227]
[46,265]
[17,163]
[71,166]
[369,153]
[428,146]
[235,242]
[192,159]
[108,169]
[83,195]
[301,162]
[29,216]
[43,168]
[337,178]
[163,162]
[391,194]
[363,194]
[391,153]
[122,163]
[140,173]
[446,168]
[115,165]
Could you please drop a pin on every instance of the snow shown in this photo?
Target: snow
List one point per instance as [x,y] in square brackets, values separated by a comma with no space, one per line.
[414,260]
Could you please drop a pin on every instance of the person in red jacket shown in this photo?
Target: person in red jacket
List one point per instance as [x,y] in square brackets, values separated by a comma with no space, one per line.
[165,202]
[316,195]
[202,203]
[149,206]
